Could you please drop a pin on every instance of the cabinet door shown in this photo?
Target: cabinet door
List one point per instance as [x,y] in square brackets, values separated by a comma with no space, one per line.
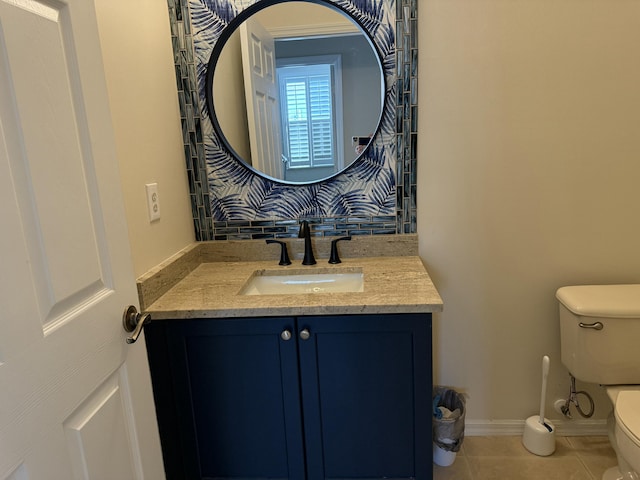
[366,391]
[236,396]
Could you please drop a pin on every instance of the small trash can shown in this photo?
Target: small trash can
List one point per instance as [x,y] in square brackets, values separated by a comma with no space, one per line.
[448,425]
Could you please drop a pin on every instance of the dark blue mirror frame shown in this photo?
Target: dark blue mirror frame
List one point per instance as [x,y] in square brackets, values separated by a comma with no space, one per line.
[376,195]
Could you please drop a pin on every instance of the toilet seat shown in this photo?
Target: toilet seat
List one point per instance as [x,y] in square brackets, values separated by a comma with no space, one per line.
[627,413]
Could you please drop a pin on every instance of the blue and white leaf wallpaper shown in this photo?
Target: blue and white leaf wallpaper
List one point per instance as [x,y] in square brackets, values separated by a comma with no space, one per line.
[374,195]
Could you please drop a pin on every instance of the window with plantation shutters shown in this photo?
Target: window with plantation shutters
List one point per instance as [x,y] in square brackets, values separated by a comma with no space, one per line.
[307,96]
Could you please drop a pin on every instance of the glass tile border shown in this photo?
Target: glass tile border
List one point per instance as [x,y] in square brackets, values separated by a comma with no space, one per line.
[406,114]
[206,228]
[320,227]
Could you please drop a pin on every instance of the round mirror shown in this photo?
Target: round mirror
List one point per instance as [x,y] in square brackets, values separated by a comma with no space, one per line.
[296,91]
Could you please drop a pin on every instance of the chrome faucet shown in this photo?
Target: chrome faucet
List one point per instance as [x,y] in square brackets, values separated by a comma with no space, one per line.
[305,232]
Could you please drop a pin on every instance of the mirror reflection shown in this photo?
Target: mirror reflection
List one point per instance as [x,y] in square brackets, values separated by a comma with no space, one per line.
[297,91]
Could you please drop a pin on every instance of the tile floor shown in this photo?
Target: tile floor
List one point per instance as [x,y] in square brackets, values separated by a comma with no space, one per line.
[504,458]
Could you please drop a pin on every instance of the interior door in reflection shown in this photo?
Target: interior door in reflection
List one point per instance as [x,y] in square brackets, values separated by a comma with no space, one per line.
[261,94]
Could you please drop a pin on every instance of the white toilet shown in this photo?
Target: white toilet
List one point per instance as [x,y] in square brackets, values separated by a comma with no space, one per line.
[600,342]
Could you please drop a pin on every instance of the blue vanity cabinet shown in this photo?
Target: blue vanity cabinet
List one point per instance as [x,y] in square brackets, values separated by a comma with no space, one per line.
[227,398]
[315,398]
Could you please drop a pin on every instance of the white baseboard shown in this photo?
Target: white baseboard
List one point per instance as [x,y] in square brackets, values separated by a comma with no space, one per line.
[566,428]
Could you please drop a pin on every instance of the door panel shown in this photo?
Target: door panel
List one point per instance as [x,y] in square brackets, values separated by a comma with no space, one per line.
[236,398]
[71,388]
[100,421]
[366,383]
[50,163]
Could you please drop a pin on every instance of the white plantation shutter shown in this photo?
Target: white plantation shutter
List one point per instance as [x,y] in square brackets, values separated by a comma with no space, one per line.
[308,106]
[297,120]
[320,99]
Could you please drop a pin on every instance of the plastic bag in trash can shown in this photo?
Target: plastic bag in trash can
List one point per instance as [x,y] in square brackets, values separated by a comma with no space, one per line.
[448,419]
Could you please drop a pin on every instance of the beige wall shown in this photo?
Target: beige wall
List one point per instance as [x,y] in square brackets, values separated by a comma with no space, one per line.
[529,179]
[142,91]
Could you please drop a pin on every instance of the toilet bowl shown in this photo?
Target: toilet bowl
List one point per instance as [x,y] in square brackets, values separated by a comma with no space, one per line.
[599,329]
[624,432]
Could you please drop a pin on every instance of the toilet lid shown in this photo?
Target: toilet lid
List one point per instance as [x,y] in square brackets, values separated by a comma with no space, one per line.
[627,411]
[615,301]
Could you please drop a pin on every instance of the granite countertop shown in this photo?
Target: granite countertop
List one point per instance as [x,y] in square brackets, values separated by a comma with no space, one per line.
[391,285]
[210,289]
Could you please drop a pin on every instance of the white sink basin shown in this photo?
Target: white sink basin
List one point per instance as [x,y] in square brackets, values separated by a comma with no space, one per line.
[275,282]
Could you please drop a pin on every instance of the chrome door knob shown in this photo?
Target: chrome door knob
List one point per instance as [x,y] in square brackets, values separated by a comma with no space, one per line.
[304,334]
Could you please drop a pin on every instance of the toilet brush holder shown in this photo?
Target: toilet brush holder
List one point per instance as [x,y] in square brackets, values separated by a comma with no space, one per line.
[539,435]
[538,438]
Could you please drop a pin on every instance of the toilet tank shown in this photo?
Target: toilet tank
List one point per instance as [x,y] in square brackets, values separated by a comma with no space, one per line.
[609,355]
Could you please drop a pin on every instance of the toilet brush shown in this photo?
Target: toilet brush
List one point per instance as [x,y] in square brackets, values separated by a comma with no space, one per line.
[539,435]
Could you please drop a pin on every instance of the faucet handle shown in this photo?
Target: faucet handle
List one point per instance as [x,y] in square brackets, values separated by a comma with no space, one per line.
[304,229]
[284,253]
[334,257]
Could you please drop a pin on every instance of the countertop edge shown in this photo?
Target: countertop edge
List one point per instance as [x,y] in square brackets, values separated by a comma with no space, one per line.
[292,312]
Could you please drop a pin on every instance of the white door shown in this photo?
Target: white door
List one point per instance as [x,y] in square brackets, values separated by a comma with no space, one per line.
[261,92]
[75,400]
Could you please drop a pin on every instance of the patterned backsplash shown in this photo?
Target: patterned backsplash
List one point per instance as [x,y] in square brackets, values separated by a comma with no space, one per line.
[376,195]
